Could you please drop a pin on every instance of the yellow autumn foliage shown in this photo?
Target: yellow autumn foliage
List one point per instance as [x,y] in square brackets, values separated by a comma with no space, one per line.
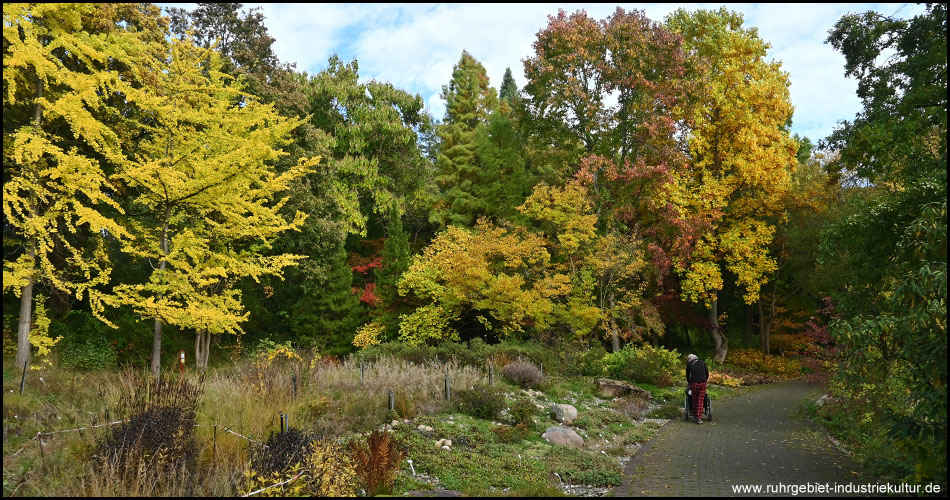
[740,154]
[205,171]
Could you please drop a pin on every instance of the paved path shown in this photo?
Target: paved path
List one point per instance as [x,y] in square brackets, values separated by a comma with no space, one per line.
[753,439]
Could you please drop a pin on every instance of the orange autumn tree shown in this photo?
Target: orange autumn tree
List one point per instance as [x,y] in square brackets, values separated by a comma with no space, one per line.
[740,159]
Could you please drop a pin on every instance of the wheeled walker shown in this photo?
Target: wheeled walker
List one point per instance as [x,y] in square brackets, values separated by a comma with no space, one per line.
[688,406]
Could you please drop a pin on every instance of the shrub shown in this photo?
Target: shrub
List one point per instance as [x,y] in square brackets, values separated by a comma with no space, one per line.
[790,343]
[325,471]
[536,352]
[313,410]
[376,462]
[523,374]
[654,365]
[93,353]
[757,361]
[418,354]
[511,434]
[724,379]
[283,450]
[590,362]
[453,351]
[631,407]
[523,412]
[404,405]
[481,401]
[159,433]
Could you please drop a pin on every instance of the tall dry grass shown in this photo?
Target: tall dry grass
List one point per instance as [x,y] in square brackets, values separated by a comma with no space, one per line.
[245,397]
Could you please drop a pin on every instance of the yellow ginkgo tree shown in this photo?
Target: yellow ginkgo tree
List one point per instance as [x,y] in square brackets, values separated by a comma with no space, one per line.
[740,159]
[209,196]
[62,64]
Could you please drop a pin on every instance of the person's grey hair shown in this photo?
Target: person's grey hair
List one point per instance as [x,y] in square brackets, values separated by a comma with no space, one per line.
[691,357]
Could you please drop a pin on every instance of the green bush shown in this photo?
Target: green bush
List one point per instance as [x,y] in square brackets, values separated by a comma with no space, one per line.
[93,353]
[480,401]
[448,351]
[590,362]
[413,354]
[654,365]
[523,412]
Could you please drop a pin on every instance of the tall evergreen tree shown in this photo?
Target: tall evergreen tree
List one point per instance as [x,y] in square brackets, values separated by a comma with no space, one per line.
[504,182]
[328,317]
[469,100]
[395,262]
[508,91]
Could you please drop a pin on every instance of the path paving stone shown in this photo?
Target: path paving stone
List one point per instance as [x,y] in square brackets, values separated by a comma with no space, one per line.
[754,439]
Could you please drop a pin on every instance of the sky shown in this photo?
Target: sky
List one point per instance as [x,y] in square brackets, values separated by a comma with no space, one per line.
[415,46]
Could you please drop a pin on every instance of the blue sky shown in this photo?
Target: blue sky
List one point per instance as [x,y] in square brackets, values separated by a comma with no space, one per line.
[414,46]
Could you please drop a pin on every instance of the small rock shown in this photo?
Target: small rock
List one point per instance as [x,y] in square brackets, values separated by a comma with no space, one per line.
[446,448]
[566,414]
[394,423]
[439,443]
[448,442]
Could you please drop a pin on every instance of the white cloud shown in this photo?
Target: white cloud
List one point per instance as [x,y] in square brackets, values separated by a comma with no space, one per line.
[415,46]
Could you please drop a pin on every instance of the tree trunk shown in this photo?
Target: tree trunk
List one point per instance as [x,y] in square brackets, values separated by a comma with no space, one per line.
[689,339]
[202,349]
[764,327]
[747,335]
[157,332]
[26,293]
[719,340]
[157,348]
[614,331]
[26,317]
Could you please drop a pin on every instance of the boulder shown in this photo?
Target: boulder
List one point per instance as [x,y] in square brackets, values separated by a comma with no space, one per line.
[564,413]
[610,388]
[563,436]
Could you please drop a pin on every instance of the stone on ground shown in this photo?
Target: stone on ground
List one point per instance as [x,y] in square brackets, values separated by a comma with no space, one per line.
[563,436]
[566,414]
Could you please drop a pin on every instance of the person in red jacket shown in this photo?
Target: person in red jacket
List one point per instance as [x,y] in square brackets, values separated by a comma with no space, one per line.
[696,377]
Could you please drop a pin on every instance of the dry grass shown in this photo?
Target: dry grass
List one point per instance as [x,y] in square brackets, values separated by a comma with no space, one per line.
[244,397]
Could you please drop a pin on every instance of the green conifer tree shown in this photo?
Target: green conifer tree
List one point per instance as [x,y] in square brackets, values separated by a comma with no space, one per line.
[331,314]
[469,101]
[500,154]
[509,89]
[395,262]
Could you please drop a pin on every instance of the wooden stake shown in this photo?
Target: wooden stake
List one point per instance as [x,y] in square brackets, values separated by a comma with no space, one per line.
[23,377]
